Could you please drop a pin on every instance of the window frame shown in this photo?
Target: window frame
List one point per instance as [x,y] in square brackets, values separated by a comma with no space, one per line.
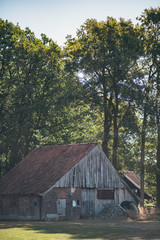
[76,203]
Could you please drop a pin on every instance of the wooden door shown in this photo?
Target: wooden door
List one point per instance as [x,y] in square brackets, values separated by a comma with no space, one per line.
[61,207]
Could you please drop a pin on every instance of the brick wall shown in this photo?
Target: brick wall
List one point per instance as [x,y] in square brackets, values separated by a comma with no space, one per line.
[58,204]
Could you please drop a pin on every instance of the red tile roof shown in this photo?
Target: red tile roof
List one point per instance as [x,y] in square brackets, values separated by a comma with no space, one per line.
[132,177]
[42,168]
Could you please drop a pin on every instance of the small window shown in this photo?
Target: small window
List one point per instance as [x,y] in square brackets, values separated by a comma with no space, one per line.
[105,194]
[76,203]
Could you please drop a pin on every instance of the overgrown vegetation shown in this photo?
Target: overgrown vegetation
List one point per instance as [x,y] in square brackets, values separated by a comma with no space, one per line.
[104,87]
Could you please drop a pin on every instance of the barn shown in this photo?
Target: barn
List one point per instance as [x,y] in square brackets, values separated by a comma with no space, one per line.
[63,182]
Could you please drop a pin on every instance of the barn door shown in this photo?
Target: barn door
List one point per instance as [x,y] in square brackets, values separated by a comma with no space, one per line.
[61,207]
[88,202]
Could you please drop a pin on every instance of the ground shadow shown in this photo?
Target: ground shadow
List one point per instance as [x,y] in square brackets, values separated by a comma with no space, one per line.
[92,229]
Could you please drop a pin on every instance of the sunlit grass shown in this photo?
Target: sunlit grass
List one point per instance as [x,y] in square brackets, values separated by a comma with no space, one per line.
[24,234]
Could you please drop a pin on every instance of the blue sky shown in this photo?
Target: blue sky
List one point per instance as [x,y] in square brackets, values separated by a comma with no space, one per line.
[57,18]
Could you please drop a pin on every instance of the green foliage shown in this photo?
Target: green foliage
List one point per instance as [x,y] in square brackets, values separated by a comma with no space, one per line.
[38,98]
[94,90]
[150,25]
[30,83]
[106,52]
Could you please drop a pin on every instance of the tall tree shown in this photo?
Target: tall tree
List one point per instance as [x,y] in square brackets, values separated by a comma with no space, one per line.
[105,52]
[150,22]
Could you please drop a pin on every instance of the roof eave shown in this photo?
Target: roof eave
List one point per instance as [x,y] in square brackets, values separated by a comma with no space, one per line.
[132,181]
[135,196]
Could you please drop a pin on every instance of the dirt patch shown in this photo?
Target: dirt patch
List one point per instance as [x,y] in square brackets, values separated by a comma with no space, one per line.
[129,229]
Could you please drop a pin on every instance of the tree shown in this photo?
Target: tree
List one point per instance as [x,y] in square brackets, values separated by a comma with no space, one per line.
[41,103]
[150,22]
[106,53]
[30,83]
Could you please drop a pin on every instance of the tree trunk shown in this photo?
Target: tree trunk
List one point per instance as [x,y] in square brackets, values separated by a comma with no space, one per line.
[158,163]
[115,140]
[105,135]
[115,125]
[107,104]
[0,169]
[143,138]
[107,125]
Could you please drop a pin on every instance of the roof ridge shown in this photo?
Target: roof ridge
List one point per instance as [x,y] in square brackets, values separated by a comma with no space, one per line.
[70,144]
[63,145]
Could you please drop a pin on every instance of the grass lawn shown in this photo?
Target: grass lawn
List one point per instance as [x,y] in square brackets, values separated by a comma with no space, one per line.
[82,229]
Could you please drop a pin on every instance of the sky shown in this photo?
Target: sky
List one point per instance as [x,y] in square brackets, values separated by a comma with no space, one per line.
[59,18]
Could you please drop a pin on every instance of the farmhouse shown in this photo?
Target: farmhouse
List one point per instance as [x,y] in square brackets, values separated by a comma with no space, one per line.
[63,182]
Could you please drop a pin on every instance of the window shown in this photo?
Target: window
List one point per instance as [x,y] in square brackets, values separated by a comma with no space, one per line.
[105,194]
[76,203]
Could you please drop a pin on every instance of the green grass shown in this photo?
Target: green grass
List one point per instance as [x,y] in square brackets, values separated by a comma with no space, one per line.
[48,231]
[84,229]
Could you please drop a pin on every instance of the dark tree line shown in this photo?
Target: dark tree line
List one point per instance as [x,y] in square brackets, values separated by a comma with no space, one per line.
[104,86]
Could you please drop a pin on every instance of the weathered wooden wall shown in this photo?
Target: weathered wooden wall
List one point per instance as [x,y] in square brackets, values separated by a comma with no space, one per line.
[93,206]
[93,171]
